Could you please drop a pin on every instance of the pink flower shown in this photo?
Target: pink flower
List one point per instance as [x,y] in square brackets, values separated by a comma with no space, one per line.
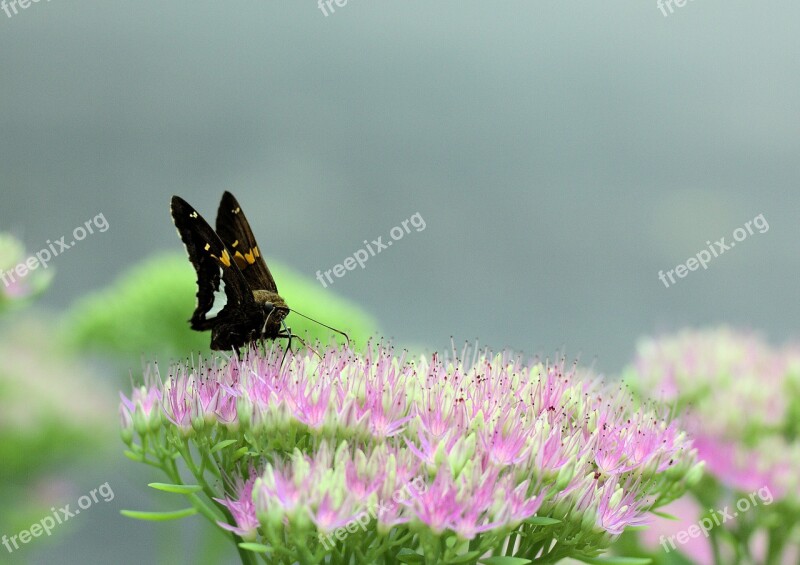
[438,507]
[620,507]
[507,443]
[242,509]
[416,449]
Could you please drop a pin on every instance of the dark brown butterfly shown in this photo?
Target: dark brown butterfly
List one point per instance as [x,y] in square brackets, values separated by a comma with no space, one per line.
[254,309]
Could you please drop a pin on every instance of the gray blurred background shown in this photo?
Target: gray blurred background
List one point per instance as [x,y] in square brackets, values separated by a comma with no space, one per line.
[560,155]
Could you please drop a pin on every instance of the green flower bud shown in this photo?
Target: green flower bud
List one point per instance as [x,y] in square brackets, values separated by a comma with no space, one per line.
[565,475]
[127,435]
[461,453]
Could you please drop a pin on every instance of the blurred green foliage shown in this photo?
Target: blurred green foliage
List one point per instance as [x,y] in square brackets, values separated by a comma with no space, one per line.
[145,312]
[52,413]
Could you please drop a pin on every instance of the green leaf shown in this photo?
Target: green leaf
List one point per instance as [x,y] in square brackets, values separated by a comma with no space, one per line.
[239,453]
[159,516]
[503,560]
[406,555]
[665,515]
[466,558]
[223,444]
[541,521]
[177,489]
[256,547]
[617,560]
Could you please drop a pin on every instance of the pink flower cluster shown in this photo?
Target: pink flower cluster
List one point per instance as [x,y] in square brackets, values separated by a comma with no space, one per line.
[473,448]
[14,287]
[740,400]
[741,397]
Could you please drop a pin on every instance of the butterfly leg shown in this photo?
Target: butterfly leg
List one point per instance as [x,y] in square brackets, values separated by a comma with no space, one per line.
[287,333]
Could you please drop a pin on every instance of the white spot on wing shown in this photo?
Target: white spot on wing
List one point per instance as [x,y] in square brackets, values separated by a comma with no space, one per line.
[220,300]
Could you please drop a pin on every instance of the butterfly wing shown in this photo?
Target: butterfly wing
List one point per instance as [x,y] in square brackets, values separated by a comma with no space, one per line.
[208,255]
[234,230]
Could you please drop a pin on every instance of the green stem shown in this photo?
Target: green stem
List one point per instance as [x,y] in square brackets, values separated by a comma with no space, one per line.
[246,557]
[512,541]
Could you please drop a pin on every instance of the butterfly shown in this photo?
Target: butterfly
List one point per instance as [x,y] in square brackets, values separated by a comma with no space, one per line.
[254,310]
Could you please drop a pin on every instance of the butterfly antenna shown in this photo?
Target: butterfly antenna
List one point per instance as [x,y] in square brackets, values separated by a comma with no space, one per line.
[347,337]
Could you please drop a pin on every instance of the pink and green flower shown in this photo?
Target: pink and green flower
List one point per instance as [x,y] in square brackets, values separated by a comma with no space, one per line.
[379,458]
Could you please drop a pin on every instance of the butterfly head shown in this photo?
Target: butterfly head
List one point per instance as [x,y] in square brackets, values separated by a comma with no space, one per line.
[273,310]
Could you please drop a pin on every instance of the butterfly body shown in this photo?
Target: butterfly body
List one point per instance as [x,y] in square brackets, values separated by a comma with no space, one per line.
[241,326]
[254,309]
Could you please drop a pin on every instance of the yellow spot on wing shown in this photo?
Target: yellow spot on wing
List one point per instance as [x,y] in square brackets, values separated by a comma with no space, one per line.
[208,246]
[226,258]
[193,214]
[249,257]
[256,252]
[235,243]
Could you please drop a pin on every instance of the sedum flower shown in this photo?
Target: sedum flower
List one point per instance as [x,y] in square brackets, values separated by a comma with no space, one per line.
[741,398]
[369,454]
[141,411]
[14,288]
[242,509]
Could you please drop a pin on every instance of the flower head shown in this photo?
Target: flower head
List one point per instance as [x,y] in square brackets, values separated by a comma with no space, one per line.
[740,396]
[20,277]
[741,399]
[435,446]
[242,509]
